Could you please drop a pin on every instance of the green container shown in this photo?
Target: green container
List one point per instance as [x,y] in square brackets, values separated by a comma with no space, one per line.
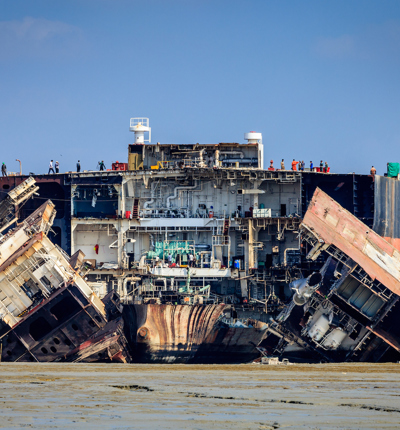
[393,169]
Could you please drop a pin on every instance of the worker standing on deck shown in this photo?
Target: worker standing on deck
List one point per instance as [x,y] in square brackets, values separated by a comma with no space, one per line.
[4,169]
[169,259]
[373,171]
[78,166]
[303,165]
[283,164]
[326,168]
[57,166]
[321,166]
[271,165]
[294,164]
[102,165]
[311,166]
[190,260]
[51,167]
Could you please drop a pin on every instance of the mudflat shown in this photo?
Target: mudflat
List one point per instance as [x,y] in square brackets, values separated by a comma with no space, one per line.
[250,396]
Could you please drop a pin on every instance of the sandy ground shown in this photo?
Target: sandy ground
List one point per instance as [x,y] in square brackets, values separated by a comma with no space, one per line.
[81,396]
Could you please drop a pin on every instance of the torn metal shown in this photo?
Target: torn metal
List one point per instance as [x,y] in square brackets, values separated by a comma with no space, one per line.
[344,311]
[47,310]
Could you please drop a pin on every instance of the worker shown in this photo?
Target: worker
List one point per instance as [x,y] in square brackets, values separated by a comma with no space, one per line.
[321,166]
[57,166]
[51,167]
[294,164]
[102,165]
[169,259]
[271,165]
[78,166]
[311,166]
[283,164]
[326,168]
[373,171]
[191,260]
[4,169]
[303,165]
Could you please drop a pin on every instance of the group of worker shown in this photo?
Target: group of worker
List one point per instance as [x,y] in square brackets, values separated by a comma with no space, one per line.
[191,260]
[323,167]
[56,166]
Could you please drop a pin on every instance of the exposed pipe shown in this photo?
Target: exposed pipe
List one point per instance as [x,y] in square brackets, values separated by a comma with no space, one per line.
[201,162]
[149,202]
[305,287]
[217,152]
[285,254]
[151,241]
[20,167]
[175,195]
[232,153]
[239,160]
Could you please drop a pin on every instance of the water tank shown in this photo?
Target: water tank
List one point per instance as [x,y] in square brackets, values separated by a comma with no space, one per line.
[334,339]
[319,328]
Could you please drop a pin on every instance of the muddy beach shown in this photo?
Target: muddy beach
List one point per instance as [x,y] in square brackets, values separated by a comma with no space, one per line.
[82,396]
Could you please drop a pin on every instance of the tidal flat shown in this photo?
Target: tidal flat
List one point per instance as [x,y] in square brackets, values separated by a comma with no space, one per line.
[154,396]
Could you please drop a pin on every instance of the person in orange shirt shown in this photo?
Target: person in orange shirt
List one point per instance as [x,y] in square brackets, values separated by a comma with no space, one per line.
[294,164]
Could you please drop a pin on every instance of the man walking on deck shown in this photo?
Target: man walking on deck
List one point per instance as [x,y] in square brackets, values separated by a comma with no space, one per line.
[51,167]
[102,165]
[4,169]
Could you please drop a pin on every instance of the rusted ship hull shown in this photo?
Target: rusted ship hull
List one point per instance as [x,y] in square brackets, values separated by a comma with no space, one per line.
[188,334]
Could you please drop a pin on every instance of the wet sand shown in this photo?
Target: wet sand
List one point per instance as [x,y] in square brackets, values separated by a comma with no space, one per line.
[101,396]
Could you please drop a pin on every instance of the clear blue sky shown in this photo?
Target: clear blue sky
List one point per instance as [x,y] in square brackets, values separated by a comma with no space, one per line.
[319,79]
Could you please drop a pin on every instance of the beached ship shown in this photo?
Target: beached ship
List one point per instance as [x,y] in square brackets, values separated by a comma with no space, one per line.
[182,228]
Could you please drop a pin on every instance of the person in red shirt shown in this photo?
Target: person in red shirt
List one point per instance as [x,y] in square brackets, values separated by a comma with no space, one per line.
[294,164]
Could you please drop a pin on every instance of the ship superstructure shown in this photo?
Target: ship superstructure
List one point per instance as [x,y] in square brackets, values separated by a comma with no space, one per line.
[187,223]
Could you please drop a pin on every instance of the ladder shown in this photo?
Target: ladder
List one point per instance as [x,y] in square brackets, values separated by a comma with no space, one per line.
[226,226]
[135,211]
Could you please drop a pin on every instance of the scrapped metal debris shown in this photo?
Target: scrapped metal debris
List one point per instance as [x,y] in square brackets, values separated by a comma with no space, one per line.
[349,310]
[48,312]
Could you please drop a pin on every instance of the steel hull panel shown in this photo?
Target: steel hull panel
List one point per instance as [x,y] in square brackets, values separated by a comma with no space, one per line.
[187,334]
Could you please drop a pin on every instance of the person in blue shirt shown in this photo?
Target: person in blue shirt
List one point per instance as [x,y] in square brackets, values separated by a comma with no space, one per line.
[311,166]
